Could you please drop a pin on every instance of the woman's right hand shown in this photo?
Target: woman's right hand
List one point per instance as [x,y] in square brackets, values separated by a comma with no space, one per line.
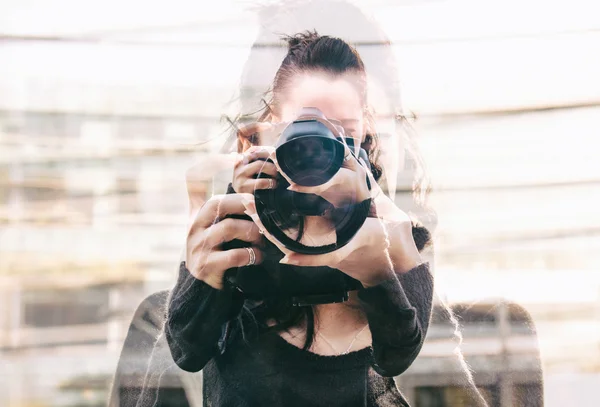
[253,161]
[209,229]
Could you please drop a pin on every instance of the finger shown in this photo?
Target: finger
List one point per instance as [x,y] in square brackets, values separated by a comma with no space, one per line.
[262,183]
[350,162]
[230,229]
[236,258]
[255,153]
[260,153]
[250,206]
[218,207]
[259,167]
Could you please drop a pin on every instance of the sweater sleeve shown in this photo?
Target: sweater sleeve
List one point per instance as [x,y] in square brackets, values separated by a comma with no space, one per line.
[398,311]
[196,315]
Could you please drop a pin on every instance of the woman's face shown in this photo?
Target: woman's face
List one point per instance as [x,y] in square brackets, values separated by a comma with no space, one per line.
[336,97]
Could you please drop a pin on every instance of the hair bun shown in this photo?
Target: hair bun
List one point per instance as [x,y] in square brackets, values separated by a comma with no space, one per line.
[421,235]
[301,40]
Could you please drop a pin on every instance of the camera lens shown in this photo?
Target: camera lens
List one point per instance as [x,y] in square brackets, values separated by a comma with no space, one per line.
[309,153]
[309,160]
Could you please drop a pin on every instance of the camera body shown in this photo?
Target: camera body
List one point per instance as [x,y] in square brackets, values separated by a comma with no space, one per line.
[309,151]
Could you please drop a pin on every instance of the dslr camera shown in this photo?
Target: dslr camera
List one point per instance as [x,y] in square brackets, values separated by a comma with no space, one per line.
[309,151]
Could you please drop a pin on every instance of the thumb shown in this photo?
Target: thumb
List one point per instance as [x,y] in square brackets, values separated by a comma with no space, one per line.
[350,162]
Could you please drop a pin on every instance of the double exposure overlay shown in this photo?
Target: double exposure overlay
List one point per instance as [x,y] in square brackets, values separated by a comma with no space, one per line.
[122,122]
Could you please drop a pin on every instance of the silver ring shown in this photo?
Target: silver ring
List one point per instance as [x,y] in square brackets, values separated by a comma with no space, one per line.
[348,156]
[252,256]
[271,183]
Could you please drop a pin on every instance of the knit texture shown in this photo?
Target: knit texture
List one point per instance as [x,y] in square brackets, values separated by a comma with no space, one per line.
[268,371]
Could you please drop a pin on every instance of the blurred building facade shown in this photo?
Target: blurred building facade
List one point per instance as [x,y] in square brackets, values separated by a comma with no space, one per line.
[93,209]
[90,232]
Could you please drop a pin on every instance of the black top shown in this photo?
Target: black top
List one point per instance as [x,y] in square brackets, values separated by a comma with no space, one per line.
[269,371]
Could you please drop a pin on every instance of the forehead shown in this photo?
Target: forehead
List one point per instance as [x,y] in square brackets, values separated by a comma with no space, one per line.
[337,97]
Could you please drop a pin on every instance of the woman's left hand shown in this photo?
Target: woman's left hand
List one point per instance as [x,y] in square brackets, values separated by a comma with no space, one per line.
[378,249]
[347,186]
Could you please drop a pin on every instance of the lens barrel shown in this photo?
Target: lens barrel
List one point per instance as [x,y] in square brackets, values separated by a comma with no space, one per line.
[310,154]
[309,150]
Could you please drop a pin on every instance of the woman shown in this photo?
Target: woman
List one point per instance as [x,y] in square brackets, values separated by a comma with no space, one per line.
[333,354]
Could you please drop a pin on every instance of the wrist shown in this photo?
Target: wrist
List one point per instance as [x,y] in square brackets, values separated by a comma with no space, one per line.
[215,280]
[406,260]
[378,278]
[405,267]
[403,250]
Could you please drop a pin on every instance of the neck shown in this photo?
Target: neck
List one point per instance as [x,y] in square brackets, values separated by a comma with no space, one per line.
[339,320]
[318,231]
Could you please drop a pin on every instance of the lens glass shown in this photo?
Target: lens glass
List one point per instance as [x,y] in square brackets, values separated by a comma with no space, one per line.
[310,160]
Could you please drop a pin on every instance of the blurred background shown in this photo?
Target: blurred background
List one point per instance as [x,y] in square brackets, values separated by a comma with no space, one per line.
[105,104]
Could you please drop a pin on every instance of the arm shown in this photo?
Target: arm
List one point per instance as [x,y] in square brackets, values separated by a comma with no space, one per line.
[200,305]
[196,315]
[398,311]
